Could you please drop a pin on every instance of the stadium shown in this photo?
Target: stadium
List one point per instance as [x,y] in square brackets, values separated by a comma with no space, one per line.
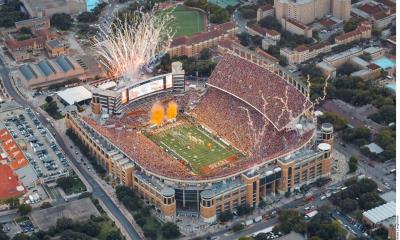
[247,135]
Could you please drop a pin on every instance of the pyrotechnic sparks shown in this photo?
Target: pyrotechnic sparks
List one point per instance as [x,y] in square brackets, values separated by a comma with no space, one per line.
[132,42]
[257,134]
[324,92]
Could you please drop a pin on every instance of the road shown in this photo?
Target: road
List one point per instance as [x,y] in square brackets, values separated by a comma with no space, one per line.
[379,173]
[97,192]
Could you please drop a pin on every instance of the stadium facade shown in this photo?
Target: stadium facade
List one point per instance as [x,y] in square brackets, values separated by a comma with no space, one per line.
[268,118]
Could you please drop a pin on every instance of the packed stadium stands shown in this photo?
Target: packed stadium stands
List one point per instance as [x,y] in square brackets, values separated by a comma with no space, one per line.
[279,101]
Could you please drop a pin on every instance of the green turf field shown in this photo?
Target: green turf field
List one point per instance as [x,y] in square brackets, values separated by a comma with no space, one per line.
[187,21]
[191,143]
[224,3]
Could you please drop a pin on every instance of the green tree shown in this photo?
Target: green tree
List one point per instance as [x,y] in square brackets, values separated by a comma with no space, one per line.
[205,54]
[45,205]
[353,164]
[24,209]
[113,235]
[348,205]
[21,236]
[48,99]
[170,230]
[237,227]
[270,22]
[346,69]
[225,216]
[350,25]
[62,21]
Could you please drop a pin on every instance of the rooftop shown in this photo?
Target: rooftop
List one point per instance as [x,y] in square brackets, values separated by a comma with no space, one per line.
[381,213]
[75,95]
[10,186]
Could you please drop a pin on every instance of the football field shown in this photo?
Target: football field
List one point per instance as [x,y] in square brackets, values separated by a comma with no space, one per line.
[201,150]
[187,21]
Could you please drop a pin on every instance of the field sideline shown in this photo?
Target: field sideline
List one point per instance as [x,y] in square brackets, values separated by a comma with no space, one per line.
[195,146]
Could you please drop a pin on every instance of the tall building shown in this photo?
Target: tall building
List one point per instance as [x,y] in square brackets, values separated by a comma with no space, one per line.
[341,9]
[306,11]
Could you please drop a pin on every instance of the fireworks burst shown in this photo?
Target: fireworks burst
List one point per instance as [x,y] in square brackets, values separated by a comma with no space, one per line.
[132,42]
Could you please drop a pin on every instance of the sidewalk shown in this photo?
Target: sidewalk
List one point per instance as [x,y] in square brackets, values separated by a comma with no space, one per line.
[106,187]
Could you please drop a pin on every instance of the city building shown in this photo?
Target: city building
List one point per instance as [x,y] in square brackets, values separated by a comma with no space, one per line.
[48,72]
[34,23]
[110,97]
[338,59]
[73,95]
[258,56]
[22,48]
[40,8]
[363,31]
[192,45]
[264,11]
[10,186]
[383,215]
[293,151]
[303,53]
[382,13]
[55,48]
[307,11]
[296,27]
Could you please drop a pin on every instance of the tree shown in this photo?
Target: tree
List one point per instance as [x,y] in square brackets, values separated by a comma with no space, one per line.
[346,69]
[290,220]
[24,209]
[66,183]
[45,205]
[353,164]
[21,236]
[225,216]
[48,99]
[370,200]
[25,30]
[244,210]
[350,25]
[170,230]
[64,224]
[114,235]
[270,22]
[244,38]
[71,235]
[205,54]
[348,205]
[237,227]
[62,21]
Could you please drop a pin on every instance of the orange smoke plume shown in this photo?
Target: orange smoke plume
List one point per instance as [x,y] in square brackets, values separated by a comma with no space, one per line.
[172,110]
[157,114]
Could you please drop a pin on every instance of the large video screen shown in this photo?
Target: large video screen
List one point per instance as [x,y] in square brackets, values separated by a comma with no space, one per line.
[144,89]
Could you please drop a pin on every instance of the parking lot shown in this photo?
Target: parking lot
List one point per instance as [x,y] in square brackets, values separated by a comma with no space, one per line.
[38,144]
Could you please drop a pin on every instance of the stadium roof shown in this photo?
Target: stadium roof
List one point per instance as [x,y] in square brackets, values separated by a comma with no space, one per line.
[263,90]
[75,95]
[381,213]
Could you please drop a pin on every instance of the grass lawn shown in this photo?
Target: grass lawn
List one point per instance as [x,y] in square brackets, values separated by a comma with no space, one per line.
[194,145]
[106,228]
[187,21]
[224,3]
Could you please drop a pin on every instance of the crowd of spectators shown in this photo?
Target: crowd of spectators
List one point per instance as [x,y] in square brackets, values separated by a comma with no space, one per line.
[227,116]
[282,102]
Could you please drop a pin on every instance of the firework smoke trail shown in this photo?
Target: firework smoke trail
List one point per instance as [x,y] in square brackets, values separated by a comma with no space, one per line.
[285,107]
[317,101]
[257,135]
[131,42]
